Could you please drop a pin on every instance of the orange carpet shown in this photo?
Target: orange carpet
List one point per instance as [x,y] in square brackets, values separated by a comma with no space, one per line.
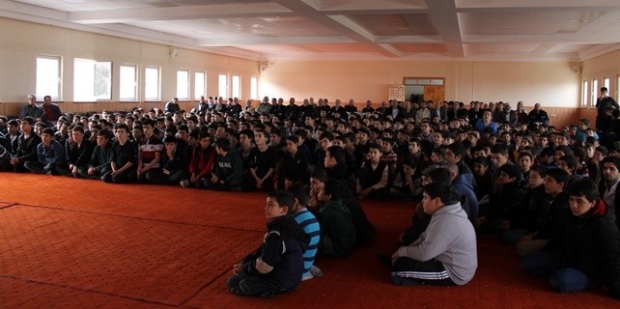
[67,243]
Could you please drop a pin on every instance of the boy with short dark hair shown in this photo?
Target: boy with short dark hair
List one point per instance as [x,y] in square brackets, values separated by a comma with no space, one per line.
[149,153]
[373,176]
[445,253]
[49,154]
[123,165]
[587,253]
[78,152]
[310,225]
[202,161]
[277,265]
[554,183]
[100,160]
[228,170]
[27,143]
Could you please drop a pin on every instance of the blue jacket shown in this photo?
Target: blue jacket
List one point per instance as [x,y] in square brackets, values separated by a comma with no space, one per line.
[54,153]
[481,128]
[462,184]
[281,253]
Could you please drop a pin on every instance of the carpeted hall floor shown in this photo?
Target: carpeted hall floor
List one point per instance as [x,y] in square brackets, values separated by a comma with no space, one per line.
[69,243]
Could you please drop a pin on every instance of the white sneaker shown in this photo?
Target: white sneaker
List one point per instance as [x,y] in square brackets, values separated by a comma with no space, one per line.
[315,271]
[184,183]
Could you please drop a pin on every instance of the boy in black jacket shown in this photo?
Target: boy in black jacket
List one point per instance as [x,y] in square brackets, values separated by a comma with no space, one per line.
[278,264]
[587,252]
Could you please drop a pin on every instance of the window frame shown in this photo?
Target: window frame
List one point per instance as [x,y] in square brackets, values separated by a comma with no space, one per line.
[135,83]
[59,83]
[158,84]
[187,86]
[254,87]
[219,86]
[197,96]
[76,79]
[235,91]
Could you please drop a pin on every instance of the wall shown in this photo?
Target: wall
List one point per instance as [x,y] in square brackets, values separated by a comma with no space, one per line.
[551,84]
[23,41]
[607,65]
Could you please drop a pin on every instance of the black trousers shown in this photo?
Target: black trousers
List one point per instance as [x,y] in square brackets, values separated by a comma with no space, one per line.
[408,271]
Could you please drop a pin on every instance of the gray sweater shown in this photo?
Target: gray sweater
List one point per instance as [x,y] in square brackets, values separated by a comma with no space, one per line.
[450,238]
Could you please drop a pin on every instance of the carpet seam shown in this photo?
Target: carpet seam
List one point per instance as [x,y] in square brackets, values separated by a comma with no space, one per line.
[132,217]
[204,286]
[70,287]
[8,205]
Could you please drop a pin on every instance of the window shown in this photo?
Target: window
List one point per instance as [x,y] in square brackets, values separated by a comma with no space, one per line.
[128,90]
[92,80]
[151,84]
[594,92]
[199,85]
[183,85]
[617,87]
[254,87]
[584,94]
[606,83]
[48,77]
[223,86]
[236,86]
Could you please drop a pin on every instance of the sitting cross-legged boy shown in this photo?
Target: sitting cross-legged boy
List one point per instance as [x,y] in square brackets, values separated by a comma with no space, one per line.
[100,160]
[445,253]
[278,264]
[78,152]
[373,176]
[49,154]
[338,234]
[228,170]
[308,222]
[174,167]
[201,163]
[588,252]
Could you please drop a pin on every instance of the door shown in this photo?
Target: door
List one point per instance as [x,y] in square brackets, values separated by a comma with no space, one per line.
[435,93]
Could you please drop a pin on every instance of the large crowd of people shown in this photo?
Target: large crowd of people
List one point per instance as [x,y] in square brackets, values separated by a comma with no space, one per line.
[485,168]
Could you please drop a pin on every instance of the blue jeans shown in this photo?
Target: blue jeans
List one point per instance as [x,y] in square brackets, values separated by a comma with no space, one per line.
[512,237]
[570,280]
[561,279]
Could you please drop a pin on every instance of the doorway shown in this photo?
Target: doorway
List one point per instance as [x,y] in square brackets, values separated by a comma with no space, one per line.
[421,89]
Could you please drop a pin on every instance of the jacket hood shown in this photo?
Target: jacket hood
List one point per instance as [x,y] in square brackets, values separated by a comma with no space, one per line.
[454,208]
[464,180]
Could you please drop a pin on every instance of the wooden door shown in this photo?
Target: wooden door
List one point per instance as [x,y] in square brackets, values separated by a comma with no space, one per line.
[435,93]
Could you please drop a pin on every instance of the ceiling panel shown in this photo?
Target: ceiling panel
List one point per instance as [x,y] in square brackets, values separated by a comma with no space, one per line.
[410,24]
[420,48]
[558,30]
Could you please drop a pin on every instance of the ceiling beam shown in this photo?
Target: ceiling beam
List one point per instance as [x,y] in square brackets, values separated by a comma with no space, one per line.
[272,40]
[177,13]
[339,24]
[365,5]
[537,38]
[444,16]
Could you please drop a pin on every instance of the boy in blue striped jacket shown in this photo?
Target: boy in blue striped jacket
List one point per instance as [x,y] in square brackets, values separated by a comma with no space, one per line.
[311,227]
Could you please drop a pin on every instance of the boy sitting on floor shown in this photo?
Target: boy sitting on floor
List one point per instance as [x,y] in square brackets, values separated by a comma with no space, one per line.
[277,265]
[445,253]
[308,222]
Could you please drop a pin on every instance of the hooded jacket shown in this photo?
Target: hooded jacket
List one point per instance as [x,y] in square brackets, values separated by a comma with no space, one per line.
[450,239]
[591,243]
[279,260]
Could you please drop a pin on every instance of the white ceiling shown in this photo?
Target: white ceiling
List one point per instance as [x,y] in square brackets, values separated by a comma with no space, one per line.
[500,30]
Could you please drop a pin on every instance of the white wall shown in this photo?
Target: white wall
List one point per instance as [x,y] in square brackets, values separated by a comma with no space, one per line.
[22,41]
[551,84]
